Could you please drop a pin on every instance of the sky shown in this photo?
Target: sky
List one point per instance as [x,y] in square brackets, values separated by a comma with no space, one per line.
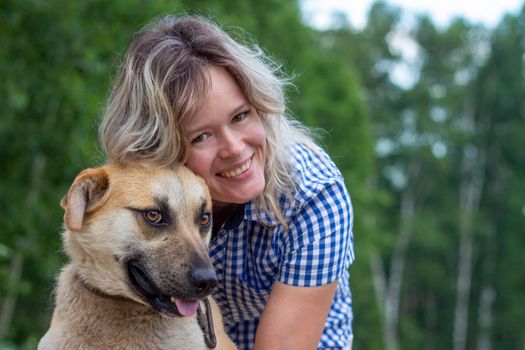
[488,12]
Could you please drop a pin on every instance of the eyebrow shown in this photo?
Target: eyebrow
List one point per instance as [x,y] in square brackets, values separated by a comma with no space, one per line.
[202,209]
[242,107]
[204,204]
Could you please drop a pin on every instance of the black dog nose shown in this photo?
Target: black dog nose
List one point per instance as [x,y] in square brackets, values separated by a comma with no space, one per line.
[203,280]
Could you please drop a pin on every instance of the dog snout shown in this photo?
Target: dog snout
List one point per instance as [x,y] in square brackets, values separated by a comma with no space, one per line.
[203,280]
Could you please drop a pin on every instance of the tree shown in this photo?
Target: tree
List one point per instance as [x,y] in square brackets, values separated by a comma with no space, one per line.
[56,66]
[58,59]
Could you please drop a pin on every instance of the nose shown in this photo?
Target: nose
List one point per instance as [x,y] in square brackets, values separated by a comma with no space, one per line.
[231,145]
[203,280]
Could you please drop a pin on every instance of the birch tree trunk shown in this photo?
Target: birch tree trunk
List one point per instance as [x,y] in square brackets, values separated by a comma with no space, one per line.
[488,294]
[388,291]
[488,289]
[472,179]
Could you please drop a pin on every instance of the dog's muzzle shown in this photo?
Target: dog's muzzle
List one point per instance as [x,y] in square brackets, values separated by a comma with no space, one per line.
[201,282]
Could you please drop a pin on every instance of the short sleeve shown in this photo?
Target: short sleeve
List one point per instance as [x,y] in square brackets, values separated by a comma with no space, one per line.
[318,247]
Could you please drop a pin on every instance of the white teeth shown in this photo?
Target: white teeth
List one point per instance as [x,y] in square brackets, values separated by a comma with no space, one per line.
[172,299]
[238,171]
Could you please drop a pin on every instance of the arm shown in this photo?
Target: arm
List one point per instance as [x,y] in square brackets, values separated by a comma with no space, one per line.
[294,317]
[315,252]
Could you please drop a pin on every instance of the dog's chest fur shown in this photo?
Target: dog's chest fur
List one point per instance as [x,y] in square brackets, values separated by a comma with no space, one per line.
[94,321]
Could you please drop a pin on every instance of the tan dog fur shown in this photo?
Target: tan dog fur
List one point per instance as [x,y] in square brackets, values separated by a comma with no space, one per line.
[97,306]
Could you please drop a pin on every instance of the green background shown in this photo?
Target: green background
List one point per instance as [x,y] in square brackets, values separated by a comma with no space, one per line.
[436,170]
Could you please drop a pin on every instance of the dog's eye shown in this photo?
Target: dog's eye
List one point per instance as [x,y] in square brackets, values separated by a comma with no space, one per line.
[205,219]
[153,216]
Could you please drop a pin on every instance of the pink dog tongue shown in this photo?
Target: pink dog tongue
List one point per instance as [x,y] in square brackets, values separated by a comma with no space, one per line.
[186,307]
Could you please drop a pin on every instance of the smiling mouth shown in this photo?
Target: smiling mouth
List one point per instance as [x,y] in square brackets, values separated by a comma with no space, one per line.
[238,171]
[156,299]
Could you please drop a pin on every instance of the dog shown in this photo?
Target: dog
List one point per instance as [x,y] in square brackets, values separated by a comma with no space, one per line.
[139,274]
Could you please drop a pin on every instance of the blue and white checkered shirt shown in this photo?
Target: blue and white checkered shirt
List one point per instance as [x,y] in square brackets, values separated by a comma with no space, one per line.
[317,249]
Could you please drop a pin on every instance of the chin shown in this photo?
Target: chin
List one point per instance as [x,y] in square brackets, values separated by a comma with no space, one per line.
[251,195]
[240,194]
[240,198]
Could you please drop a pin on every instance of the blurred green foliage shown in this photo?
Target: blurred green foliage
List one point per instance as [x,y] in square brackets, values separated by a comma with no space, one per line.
[458,128]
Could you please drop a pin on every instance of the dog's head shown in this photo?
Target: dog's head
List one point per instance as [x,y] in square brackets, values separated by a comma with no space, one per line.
[142,233]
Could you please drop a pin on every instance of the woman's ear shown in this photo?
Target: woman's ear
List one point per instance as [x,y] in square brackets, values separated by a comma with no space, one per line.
[85,193]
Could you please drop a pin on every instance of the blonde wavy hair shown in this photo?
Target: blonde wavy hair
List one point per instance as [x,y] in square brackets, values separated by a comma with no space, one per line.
[163,80]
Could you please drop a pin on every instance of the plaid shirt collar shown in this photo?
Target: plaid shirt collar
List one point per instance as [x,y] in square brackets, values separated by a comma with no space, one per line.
[250,212]
[253,213]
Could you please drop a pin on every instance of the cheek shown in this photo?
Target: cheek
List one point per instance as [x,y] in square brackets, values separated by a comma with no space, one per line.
[259,133]
[262,135]
[199,163]
[262,144]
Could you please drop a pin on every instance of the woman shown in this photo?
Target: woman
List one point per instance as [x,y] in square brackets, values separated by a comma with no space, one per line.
[282,240]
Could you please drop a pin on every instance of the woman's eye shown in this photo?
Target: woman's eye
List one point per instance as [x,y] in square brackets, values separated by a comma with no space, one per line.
[205,219]
[153,217]
[200,138]
[239,117]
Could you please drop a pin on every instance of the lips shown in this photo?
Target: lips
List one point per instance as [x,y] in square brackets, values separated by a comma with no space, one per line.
[159,301]
[237,171]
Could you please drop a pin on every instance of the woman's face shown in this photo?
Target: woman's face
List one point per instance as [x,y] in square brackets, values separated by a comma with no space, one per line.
[227,142]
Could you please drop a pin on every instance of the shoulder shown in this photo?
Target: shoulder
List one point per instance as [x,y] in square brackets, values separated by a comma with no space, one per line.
[317,247]
[314,173]
[317,182]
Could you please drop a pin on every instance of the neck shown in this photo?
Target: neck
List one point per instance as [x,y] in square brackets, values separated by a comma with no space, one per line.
[97,292]
[221,212]
[73,289]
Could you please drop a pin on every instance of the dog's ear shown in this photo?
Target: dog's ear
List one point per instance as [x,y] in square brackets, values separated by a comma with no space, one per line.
[85,193]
